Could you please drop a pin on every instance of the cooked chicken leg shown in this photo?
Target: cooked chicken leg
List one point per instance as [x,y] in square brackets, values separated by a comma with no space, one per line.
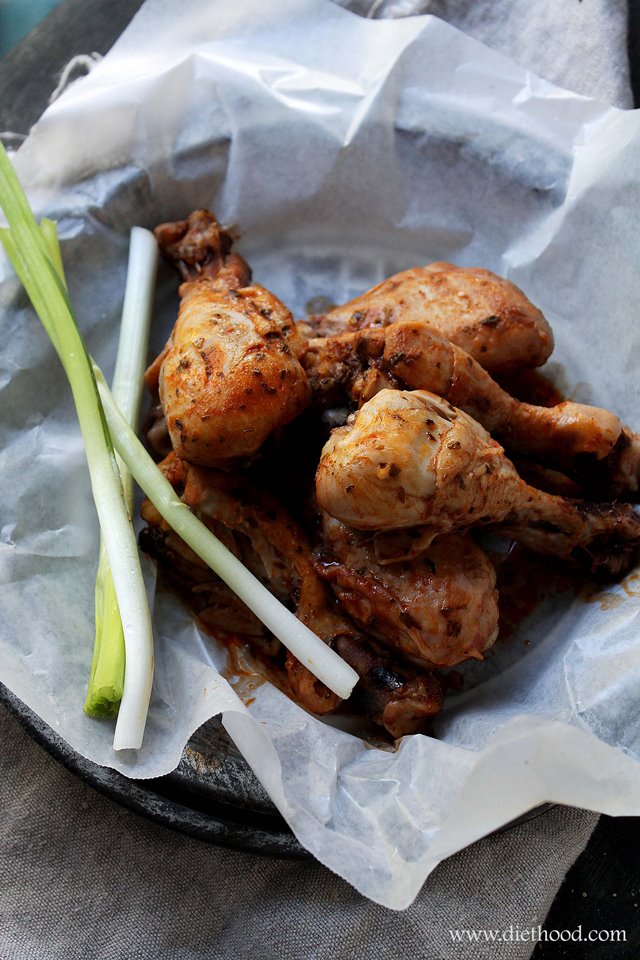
[411,459]
[410,355]
[400,700]
[439,609]
[353,367]
[228,376]
[258,530]
[615,477]
[487,316]
[624,465]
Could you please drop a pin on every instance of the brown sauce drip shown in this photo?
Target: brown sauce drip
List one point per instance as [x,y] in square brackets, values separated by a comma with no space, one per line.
[610,600]
[531,386]
[244,672]
[525,580]
[249,665]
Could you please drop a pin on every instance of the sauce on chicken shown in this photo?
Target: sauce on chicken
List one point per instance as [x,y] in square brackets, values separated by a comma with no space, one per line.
[353,459]
[228,375]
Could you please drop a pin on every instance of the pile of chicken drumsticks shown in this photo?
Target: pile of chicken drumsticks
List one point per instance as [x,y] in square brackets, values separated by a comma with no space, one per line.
[382,562]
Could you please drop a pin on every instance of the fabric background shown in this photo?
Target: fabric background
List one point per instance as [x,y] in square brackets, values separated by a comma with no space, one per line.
[578,44]
[82,877]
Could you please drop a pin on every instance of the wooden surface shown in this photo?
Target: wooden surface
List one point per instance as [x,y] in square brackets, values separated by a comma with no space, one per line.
[602,890]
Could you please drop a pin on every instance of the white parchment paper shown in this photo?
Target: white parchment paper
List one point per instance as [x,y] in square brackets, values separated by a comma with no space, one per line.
[345,149]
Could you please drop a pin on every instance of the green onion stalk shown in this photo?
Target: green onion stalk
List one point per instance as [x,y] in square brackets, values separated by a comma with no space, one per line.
[107,677]
[36,260]
[37,263]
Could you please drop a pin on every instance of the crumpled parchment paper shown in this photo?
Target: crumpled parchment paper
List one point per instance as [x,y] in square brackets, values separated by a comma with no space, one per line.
[345,149]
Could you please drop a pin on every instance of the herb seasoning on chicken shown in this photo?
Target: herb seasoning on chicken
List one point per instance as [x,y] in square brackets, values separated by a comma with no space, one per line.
[228,375]
[487,316]
[372,533]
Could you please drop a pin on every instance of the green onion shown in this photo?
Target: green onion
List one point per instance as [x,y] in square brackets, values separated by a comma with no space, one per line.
[107,677]
[29,253]
[36,268]
[323,662]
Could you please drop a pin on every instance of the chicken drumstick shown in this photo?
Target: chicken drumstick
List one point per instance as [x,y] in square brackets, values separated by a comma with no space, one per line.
[410,459]
[487,316]
[410,355]
[228,375]
[257,529]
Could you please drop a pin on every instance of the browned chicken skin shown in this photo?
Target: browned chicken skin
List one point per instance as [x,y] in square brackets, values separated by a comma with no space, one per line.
[438,609]
[400,486]
[624,465]
[397,699]
[487,316]
[615,477]
[228,376]
[410,459]
[257,529]
[410,355]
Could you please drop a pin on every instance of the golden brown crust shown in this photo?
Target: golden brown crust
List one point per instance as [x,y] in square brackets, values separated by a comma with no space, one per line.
[410,459]
[228,376]
[255,527]
[439,609]
[409,355]
[483,313]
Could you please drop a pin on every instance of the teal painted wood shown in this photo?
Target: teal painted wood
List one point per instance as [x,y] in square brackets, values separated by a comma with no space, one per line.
[19,17]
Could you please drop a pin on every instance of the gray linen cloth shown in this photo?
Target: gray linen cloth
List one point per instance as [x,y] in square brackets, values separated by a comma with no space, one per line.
[82,876]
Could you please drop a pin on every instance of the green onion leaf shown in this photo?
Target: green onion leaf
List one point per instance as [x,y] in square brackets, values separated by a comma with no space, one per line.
[27,248]
[36,267]
[323,662]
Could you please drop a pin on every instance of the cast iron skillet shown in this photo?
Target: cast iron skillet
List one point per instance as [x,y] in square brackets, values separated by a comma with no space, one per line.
[213,794]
